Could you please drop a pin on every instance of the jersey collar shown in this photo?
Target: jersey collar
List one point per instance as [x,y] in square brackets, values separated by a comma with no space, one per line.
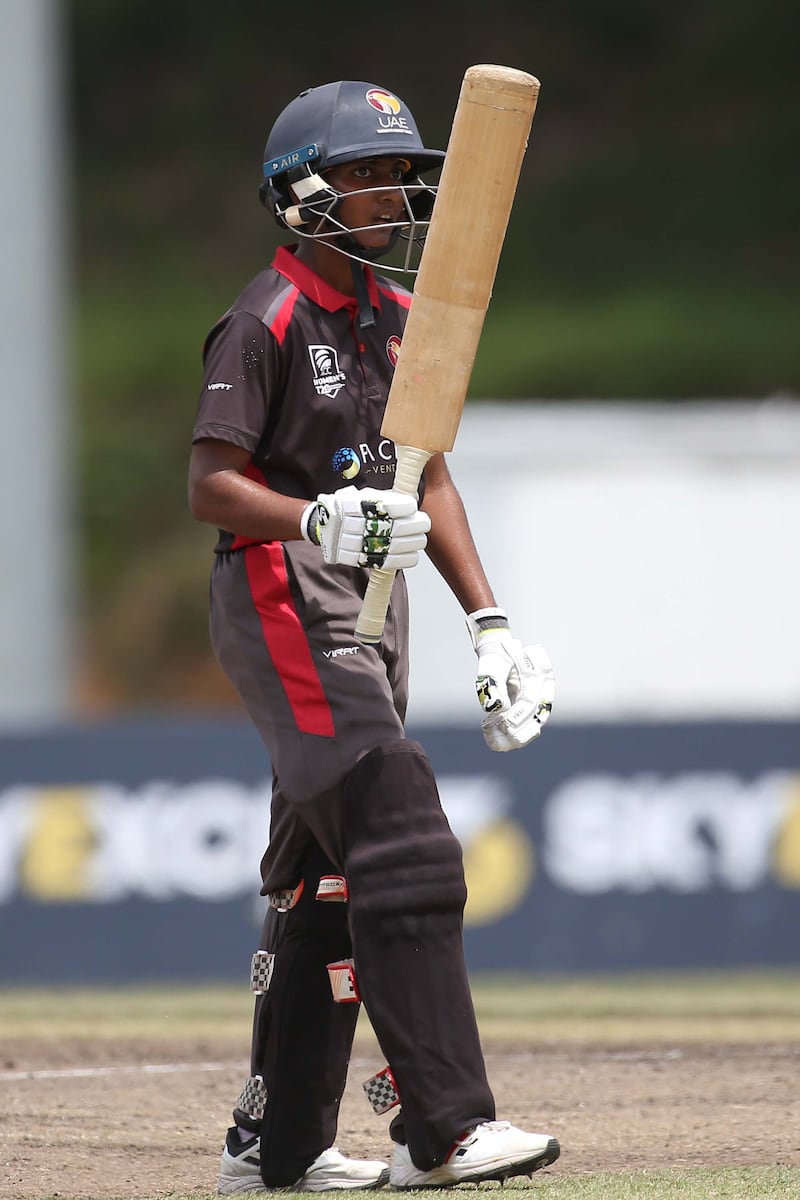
[315,287]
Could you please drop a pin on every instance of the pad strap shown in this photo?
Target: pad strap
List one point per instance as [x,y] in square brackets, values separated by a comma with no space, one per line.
[342,975]
[382,1091]
[261,969]
[253,1099]
[332,887]
[286,898]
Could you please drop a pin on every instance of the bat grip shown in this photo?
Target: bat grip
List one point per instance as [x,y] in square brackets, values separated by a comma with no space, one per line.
[372,618]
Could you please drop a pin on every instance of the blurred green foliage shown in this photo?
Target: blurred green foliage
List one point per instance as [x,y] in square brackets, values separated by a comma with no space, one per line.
[652,251]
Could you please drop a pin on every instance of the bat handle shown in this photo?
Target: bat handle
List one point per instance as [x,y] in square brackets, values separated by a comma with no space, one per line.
[372,618]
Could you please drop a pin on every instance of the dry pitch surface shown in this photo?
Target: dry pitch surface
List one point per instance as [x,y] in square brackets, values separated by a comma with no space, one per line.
[128,1095]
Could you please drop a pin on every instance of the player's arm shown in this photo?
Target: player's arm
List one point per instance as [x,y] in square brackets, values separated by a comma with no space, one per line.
[451,548]
[355,527]
[515,683]
[220,494]
[359,528]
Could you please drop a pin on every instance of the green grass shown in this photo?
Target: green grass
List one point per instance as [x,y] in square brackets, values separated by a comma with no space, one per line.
[764,1183]
[687,1006]
[724,1006]
[729,1183]
[171,1012]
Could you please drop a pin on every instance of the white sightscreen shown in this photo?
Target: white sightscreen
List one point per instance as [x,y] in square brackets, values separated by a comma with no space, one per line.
[653,549]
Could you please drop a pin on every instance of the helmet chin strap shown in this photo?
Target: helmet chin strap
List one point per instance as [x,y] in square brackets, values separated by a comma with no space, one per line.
[366,317]
[349,246]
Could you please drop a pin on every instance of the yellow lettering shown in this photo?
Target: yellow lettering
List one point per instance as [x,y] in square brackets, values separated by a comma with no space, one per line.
[787,844]
[53,866]
[499,866]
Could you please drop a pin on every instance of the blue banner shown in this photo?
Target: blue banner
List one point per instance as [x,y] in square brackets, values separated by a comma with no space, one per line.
[130,851]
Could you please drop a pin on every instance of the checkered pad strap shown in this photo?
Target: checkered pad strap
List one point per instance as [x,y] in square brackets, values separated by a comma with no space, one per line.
[382,1091]
[343,981]
[261,971]
[253,1098]
[286,898]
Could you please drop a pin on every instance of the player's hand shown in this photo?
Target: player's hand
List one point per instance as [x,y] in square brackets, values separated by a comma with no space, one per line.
[367,527]
[515,683]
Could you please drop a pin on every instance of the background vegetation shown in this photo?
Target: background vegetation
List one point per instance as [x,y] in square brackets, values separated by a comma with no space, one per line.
[652,250]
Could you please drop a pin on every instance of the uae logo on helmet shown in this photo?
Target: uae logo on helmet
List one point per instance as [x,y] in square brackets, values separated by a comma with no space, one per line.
[384,102]
[393,349]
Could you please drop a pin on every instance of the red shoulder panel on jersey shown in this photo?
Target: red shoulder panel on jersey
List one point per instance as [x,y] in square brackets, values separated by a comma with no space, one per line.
[286,640]
[282,319]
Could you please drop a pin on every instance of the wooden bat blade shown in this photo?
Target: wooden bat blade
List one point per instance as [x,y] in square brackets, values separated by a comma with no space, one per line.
[459,262]
[456,275]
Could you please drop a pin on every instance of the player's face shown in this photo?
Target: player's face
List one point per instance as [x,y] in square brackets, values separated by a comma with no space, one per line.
[373,197]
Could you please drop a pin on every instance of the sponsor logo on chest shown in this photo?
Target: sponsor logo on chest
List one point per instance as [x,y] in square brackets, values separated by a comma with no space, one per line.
[349,461]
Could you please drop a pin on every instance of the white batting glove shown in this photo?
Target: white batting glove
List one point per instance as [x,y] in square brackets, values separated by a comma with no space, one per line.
[367,527]
[515,683]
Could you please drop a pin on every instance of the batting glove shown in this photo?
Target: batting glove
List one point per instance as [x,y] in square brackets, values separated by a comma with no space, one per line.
[367,527]
[515,683]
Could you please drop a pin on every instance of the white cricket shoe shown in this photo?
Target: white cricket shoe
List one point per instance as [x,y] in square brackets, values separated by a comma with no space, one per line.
[240,1170]
[492,1150]
[332,1170]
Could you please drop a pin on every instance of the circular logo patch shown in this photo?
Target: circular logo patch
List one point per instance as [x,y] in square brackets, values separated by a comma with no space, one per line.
[393,349]
[384,102]
[346,462]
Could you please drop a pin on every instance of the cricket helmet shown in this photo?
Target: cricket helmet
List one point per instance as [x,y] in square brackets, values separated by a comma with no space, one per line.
[339,123]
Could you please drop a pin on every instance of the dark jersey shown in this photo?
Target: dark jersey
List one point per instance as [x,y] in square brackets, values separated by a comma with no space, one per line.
[292,377]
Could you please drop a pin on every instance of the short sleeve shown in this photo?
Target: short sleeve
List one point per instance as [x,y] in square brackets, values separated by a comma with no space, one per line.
[239,381]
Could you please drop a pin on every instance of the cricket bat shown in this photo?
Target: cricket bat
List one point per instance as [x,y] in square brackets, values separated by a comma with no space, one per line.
[453,287]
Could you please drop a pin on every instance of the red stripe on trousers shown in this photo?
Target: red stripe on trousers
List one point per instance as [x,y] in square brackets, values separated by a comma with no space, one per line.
[286,639]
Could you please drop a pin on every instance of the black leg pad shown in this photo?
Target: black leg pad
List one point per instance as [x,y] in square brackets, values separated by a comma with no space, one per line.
[407,893]
[401,854]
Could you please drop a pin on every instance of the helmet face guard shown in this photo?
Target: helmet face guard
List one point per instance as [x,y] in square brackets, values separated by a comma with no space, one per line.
[340,123]
[311,209]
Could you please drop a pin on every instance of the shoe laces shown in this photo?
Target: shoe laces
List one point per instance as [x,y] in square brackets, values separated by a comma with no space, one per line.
[331,1155]
[471,1135]
[484,1126]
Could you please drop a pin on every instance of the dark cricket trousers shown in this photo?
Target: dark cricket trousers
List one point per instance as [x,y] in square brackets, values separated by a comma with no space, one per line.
[282,629]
